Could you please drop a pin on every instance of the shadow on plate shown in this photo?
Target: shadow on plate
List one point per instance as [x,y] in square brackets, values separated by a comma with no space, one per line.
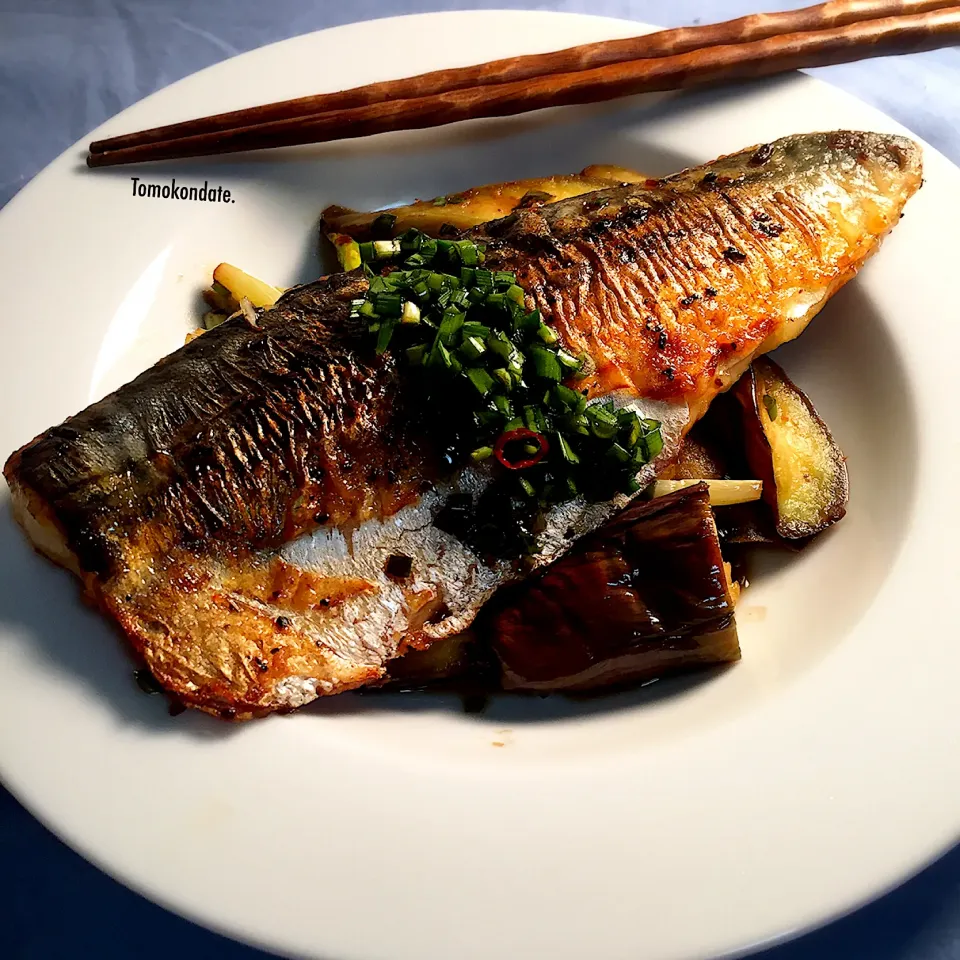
[504,709]
[41,609]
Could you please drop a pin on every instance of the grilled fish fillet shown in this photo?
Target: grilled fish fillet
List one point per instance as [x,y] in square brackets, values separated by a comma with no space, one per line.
[234,508]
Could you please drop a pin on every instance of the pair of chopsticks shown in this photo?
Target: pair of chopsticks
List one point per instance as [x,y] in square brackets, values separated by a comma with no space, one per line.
[758,45]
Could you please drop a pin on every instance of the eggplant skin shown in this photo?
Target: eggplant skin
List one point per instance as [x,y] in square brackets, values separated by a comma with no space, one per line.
[644,596]
[791,449]
[715,449]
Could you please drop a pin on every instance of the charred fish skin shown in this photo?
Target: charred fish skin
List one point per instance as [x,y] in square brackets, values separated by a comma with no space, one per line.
[243,437]
[172,496]
[237,507]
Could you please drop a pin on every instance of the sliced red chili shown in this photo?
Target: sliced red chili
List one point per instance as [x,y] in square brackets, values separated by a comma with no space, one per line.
[521,435]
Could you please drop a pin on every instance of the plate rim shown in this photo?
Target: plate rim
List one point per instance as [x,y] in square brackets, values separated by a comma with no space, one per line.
[52,169]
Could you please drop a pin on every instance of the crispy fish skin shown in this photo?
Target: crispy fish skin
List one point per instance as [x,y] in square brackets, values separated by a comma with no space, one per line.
[171,496]
[674,289]
[233,509]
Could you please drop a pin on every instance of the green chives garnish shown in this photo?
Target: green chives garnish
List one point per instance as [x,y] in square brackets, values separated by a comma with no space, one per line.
[547,334]
[481,380]
[439,308]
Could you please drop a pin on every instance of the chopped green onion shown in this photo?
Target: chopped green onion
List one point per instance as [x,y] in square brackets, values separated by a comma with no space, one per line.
[566,450]
[579,424]
[603,421]
[474,329]
[545,364]
[469,254]
[527,487]
[451,323]
[439,354]
[568,360]
[486,419]
[566,490]
[385,249]
[472,348]
[481,454]
[384,335]
[569,399]
[630,429]
[529,323]
[547,334]
[501,346]
[617,453]
[649,447]
[455,314]
[480,379]
[534,420]
[389,305]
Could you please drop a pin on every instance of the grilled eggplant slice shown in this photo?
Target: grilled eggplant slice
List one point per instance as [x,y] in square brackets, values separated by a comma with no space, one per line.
[714,450]
[791,449]
[703,456]
[644,596]
[445,660]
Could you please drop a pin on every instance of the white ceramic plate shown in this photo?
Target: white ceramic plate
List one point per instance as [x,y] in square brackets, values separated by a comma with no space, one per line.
[684,820]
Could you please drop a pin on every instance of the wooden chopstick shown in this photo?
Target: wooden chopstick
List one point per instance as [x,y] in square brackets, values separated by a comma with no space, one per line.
[715,64]
[666,43]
